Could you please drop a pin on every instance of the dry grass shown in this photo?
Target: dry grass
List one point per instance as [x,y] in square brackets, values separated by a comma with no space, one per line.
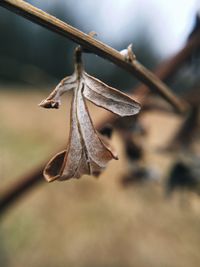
[89,222]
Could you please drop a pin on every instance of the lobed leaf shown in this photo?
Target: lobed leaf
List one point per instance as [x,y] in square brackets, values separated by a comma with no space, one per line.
[53,100]
[86,153]
[109,98]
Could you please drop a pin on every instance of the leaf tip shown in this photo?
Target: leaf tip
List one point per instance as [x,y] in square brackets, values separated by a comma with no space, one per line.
[49,104]
[50,178]
[116,157]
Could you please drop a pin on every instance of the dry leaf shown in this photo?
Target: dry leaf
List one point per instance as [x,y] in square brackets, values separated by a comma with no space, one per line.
[87,152]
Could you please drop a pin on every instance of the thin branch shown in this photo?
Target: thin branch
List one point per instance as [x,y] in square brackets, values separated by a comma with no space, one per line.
[31,179]
[20,187]
[170,66]
[88,42]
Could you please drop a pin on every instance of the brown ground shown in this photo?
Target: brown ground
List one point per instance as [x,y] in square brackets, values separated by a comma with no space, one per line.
[89,222]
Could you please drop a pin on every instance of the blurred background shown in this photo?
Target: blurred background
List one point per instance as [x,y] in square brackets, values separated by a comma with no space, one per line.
[144,210]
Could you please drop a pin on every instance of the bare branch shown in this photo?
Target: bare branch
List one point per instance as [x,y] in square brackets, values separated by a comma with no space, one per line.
[88,42]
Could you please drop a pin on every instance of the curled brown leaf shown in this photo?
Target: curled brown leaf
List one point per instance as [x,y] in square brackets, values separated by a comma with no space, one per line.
[87,152]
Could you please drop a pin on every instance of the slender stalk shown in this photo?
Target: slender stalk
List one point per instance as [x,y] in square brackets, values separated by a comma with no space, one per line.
[88,42]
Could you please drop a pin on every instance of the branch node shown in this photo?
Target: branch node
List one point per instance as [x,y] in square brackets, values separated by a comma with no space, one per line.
[128,54]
